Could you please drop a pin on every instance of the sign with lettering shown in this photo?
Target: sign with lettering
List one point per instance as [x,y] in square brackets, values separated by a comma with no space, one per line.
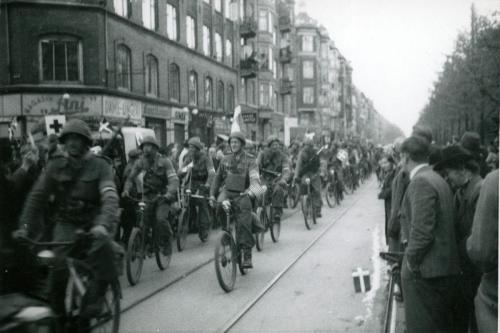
[249,117]
[121,108]
[179,115]
[156,111]
[54,124]
[53,104]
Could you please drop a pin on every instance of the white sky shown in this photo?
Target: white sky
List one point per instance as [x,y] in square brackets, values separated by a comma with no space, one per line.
[396,47]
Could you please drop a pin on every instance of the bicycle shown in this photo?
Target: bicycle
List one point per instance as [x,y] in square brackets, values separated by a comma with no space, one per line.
[307,205]
[333,190]
[227,252]
[144,241]
[395,259]
[293,195]
[80,276]
[265,212]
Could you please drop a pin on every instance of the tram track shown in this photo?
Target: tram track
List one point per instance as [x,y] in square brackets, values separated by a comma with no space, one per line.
[235,319]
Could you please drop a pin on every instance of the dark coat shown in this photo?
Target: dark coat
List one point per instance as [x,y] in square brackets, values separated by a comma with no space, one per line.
[386,195]
[398,189]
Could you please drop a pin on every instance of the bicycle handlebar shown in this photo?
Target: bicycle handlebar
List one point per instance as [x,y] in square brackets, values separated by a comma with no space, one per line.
[50,244]
[392,257]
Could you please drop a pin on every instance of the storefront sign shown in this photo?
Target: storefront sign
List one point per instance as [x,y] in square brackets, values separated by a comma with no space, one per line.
[179,115]
[10,105]
[249,117]
[52,104]
[122,108]
[156,111]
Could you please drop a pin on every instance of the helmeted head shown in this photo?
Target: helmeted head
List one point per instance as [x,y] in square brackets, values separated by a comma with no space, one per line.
[309,138]
[76,137]
[149,146]
[273,142]
[236,141]
[195,144]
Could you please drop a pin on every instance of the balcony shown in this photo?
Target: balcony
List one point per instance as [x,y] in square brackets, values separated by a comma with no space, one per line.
[285,54]
[286,86]
[285,23]
[248,28]
[249,68]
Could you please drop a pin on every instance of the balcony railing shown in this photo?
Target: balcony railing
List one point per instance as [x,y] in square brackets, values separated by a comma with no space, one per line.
[249,67]
[248,28]
[285,23]
[286,86]
[286,54]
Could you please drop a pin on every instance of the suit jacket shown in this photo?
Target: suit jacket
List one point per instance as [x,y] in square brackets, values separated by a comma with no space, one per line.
[398,189]
[429,209]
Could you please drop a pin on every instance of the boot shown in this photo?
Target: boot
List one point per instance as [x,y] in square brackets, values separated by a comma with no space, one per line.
[247,258]
[93,300]
[318,212]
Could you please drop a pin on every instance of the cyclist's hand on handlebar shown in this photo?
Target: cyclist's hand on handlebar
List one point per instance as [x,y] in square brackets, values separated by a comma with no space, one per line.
[99,231]
[125,194]
[169,197]
[226,205]
[20,233]
[211,201]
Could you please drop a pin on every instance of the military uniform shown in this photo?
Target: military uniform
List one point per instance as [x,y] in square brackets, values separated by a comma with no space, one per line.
[82,194]
[308,165]
[237,171]
[271,163]
[202,175]
[159,179]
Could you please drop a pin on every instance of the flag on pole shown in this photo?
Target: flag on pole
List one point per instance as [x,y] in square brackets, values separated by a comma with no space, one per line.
[235,126]
[104,126]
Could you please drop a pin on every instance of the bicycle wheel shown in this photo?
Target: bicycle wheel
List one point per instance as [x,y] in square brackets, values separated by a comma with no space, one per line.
[225,261]
[108,319]
[259,236]
[242,269]
[275,226]
[295,195]
[162,250]
[306,211]
[135,256]
[330,195]
[182,229]
[312,210]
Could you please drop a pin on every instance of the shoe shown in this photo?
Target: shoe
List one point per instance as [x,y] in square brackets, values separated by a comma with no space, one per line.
[247,258]
[318,213]
[203,237]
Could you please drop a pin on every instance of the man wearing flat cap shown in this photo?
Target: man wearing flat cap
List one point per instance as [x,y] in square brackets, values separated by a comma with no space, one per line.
[461,172]
[471,141]
[430,264]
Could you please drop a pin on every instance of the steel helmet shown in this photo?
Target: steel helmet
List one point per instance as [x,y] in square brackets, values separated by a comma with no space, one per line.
[271,139]
[237,135]
[151,140]
[76,126]
[195,141]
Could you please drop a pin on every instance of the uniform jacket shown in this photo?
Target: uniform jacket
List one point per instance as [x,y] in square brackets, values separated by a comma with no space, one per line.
[202,172]
[240,163]
[308,163]
[428,207]
[482,245]
[159,178]
[82,192]
[273,161]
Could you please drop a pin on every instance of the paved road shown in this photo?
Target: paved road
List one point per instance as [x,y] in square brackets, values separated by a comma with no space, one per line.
[315,294]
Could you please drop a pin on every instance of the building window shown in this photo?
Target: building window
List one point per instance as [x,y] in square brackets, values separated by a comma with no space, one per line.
[229,52]
[228,9]
[174,82]
[230,98]
[172,22]
[61,59]
[191,32]
[308,43]
[243,91]
[123,7]
[149,18]
[308,95]
[218,46]
[275,69]
[308,69]
[123,67]
[207,41]
[207,1]
[271,60]
[151,75]
[270,25]
[251,93]
[193,88]
[220,95]
[263,20]
[218,5]
[208,93]
[264,94]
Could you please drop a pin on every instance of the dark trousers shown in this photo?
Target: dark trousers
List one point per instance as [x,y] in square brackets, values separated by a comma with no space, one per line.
[428,302]
[203,215]
[315,190]
[486,314]
[243,212]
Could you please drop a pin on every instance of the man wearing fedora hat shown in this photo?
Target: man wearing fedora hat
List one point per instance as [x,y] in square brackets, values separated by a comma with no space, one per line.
[462,173]
[430,264]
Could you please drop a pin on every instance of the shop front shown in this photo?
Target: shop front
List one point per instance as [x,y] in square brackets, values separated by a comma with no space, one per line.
[156,117]
[177,126]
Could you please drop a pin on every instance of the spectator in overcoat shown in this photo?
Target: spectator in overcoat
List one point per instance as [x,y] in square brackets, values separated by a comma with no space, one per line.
[389,168]
[430,264]
[462,173]
[482,247]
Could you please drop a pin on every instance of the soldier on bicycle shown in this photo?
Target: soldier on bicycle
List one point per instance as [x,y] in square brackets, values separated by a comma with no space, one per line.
[160,184]
[202,175]
[308,165]
[237,172]
[79,189]
[274,170]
